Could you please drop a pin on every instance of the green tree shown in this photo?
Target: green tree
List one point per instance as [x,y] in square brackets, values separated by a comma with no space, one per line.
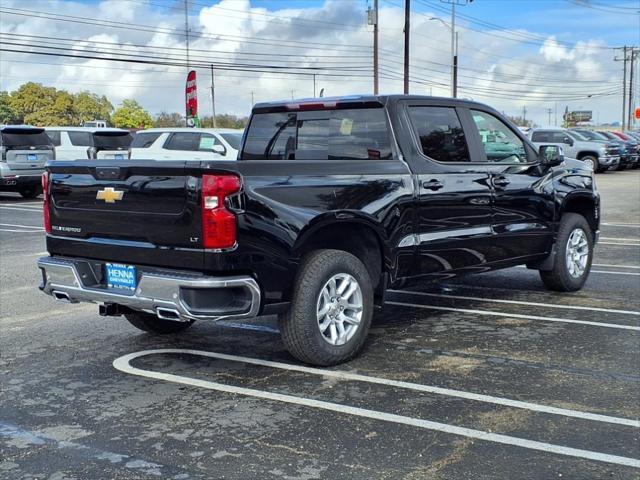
[31,98]
[131,115]
[7,114]
[225,120]
[166,120]
[89,106]
[59,113]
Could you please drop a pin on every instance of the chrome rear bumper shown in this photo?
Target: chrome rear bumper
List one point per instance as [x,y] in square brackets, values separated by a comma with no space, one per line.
[169,295]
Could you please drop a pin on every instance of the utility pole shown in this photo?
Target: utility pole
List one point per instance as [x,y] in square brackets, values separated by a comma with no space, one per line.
[624,83]
[455,69]
[634,52]
[186,29]
[213,99]
[314,85]
[549,110]
[407,16]
[524,114]
[372,19]
[556,114]
[252,102]
[454,66]
[291,94]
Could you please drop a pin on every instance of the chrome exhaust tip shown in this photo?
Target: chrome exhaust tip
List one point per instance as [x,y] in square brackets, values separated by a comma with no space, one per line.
[169,314]
[61,296]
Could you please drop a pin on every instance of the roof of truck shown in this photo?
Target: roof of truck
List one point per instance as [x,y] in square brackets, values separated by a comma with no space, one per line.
[321,103]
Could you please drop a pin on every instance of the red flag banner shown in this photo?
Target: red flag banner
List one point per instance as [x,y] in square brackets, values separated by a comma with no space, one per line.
[191,95]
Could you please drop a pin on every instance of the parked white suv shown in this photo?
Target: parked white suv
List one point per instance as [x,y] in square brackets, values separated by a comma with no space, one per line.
[186,144]
[23,152]
[73,143]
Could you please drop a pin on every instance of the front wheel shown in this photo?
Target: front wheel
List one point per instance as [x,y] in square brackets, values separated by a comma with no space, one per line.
[573,255]
[591,162]
[152,324]
[331,309]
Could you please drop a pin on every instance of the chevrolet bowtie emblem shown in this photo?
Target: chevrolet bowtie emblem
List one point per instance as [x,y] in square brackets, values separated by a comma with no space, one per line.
[109,195]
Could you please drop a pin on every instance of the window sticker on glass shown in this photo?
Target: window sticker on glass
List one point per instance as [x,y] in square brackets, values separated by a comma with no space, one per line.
[346,126]
[207,143]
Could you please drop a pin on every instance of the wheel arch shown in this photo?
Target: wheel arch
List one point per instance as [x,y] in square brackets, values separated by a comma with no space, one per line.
[587,153]
[585,204]
[352,232]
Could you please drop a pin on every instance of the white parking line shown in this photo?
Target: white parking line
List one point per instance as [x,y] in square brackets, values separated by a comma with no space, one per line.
[22,209]
[123,364]
[20,203]
[517,302]
[628,225]
[613,266]
[517,315]
[621,244]
[21,226]
[597,271]
[18,231]
[621,239]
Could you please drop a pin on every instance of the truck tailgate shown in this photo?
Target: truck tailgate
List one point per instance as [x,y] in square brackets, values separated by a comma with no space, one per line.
[143,212]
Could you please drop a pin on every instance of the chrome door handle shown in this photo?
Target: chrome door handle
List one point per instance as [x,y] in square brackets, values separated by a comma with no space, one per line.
[432,184]
[501,182]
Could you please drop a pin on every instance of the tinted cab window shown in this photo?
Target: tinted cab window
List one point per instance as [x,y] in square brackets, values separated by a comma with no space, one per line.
[16,138]
[351,134]
[145,140]
[440,133]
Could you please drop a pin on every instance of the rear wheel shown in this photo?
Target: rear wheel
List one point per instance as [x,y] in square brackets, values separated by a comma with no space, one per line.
[152,324]
[30,192]
[574,253]
[331,309]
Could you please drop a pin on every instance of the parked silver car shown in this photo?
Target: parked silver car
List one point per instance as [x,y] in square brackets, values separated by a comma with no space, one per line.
[23,152]
[598,155]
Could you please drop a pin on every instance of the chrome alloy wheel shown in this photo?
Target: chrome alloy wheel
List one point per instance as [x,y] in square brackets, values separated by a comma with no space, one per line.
[577,253]
[339,309]
[589,163]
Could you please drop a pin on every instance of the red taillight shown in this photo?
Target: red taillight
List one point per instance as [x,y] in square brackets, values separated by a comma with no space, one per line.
[46,215]
[218,223]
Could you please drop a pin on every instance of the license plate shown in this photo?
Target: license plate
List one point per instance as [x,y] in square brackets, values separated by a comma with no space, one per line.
[118,156]
[121,276]
[32,157]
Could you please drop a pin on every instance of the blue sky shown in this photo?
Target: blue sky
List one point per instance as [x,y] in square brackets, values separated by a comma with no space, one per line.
[513,53]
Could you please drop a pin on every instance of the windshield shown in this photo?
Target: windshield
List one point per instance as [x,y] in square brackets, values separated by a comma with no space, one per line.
[232,139]
[32,137]
[112,140]
[591,135]
[577,136]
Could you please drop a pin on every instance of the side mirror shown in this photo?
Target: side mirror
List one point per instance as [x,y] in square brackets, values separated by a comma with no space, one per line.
[568,141]
[219,149]
[550,155]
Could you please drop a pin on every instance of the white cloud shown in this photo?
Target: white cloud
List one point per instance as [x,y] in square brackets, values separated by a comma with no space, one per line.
[504,74]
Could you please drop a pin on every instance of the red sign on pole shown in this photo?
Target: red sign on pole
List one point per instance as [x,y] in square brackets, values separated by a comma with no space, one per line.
[638,113]
[191,95]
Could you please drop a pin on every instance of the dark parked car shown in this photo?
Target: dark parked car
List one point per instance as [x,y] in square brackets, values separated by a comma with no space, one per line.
[330,203]
[629,151]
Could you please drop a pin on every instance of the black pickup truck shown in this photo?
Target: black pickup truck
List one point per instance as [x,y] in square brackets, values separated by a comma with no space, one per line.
[331,202]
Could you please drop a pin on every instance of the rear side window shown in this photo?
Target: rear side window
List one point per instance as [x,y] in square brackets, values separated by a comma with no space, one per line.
[440,133]
[16,138]
[80,139]
[189,141]
[112,140]
[54,135]
[232,139]
[145,140]
[350,134]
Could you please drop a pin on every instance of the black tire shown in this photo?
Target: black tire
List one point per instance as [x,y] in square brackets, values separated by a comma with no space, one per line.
[300,327]
[560,278]
[30,192]
[594,161]
[152,324]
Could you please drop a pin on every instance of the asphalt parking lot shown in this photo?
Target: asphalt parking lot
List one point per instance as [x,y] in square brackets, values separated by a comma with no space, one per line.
[484,377]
